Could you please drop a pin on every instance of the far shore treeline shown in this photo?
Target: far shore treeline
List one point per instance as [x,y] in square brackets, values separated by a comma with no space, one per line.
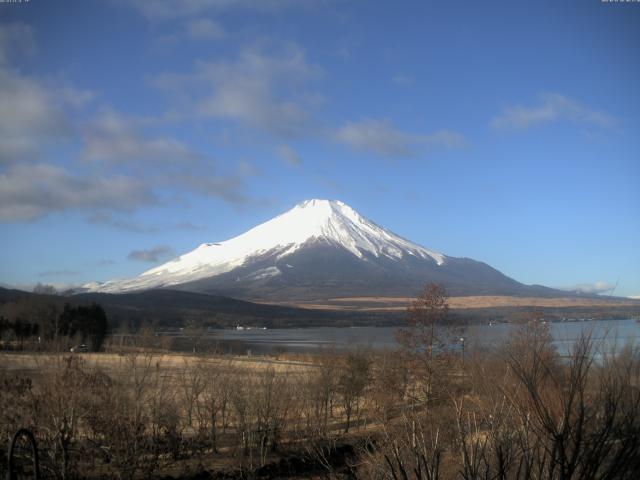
[43,325]
[29,315]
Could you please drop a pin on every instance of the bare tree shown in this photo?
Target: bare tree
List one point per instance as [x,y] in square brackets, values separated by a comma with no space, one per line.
[61,402]
[545,419]
[242,409]
[215,398]
[194,330]
[584,425]
[422,341]
[191,380]
[16,394]
[320,385]
[409,450]
[390,382]
[165,426]
[353,379]
[118,420]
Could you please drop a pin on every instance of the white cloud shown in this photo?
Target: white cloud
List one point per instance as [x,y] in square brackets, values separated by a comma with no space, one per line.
[552,107]
[591,288]
[35,118]
[260,90]
[151,255]
[254,91]
[270,92]
[29,117]
[164,161]
[30,191]
[114,138]
[383,138]
[32,113]
[249,101]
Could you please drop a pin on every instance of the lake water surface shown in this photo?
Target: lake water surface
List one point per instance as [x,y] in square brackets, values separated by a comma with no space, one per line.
[607,334]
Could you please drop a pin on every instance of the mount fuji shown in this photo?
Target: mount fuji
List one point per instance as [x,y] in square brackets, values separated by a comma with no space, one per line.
[319,249]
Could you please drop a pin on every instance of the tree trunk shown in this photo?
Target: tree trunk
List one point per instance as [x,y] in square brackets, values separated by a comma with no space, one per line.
[214,444]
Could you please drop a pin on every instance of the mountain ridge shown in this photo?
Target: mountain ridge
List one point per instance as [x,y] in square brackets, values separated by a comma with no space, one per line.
[320,249]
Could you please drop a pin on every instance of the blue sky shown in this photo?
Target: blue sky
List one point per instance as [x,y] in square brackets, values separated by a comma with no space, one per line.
[132,130]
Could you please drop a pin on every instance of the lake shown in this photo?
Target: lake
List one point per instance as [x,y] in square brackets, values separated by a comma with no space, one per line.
[608,333]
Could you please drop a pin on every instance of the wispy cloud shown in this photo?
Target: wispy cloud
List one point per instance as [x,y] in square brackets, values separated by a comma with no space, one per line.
[403,80]
[383,138]
[30,118]
[228,188]
[151,255]
[262,90]
[106,218]
[550,108]
[58,273]
[168,9]
[195,30]
[204,29]
[189,226]
[591,288]
[254,90]
[33,113]
[34,118]
[289,155]
[30,191]
[271,91]
[162,161]
[115,138]
[16,40]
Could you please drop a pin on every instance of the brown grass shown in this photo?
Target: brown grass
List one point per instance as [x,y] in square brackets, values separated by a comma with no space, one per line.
[468,302]
[34,362]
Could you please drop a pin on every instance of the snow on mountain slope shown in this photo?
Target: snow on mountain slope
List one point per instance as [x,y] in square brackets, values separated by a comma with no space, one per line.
[328,221]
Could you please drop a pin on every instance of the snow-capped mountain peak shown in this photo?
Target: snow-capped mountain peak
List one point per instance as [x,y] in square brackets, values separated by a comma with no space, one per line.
[312,221]
[335,221]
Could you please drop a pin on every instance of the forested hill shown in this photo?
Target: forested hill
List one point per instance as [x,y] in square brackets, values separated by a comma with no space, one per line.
[173,308]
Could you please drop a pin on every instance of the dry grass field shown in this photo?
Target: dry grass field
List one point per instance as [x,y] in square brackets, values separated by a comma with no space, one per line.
[170,363]
[469,302]
[142,413]
[152,410]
